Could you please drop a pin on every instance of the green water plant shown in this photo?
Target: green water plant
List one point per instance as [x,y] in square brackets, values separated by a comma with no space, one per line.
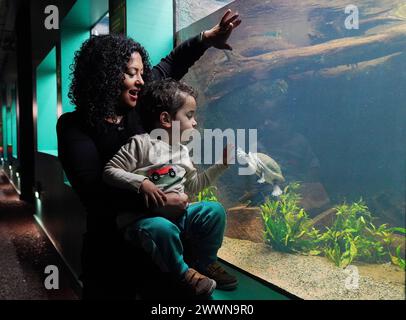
[287,226]
[207,194]
[353,236]
[397,258]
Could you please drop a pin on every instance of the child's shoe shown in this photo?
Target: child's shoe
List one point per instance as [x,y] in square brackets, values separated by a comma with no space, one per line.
[200,285]
[224,280]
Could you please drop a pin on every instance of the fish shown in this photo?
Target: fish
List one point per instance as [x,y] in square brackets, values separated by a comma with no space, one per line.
[401,11]
[274,34]
[266,168]
[270,34]
[279,88]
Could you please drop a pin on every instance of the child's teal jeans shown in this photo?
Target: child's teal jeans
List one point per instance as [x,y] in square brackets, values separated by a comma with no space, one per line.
[202,227]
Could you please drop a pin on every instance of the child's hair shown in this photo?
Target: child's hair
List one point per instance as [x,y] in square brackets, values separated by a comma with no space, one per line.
[160,96]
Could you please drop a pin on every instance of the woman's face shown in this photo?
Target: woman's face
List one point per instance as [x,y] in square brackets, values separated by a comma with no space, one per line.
[133,81]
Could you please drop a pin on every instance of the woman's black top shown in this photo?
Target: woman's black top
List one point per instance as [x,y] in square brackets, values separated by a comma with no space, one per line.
[84,151]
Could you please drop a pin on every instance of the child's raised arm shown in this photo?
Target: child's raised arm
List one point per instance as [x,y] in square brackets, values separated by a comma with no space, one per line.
[196,182]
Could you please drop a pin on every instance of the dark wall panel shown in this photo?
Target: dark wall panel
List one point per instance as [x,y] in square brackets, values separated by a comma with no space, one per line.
[59,210]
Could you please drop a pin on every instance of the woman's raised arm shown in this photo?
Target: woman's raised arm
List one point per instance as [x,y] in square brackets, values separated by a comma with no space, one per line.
[177,63]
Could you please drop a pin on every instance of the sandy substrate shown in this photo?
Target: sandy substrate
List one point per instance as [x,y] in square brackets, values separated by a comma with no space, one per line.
[311,277]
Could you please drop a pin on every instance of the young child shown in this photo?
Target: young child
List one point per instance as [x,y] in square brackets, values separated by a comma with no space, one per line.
[160,167]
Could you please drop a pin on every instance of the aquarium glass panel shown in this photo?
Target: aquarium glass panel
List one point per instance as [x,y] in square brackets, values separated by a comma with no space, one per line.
[189,11]
[102,27]
[322,214]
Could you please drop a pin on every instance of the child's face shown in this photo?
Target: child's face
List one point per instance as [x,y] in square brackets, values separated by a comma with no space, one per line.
[186,114]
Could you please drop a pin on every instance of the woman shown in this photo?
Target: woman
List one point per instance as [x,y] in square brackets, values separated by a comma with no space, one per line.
[108,73]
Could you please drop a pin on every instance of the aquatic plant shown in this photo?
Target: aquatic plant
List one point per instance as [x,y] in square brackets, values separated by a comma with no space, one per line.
[287,226]
[207,194]
[351,237]
[397,259]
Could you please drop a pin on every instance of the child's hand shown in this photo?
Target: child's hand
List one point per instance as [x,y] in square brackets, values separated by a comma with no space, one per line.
[228,154]
[152,193]
[175,206]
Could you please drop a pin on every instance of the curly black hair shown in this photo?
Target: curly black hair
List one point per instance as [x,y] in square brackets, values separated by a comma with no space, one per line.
[98,74]
[162,95]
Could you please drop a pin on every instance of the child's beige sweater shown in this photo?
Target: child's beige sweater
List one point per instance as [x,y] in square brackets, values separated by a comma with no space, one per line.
[170,168]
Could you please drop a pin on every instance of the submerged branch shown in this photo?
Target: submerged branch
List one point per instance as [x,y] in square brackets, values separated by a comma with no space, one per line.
[345,51]
[344,69]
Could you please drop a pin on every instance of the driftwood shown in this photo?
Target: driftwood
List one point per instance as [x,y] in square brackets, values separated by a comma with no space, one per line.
[345,69]
[346,51]
[263,48]
[245,223]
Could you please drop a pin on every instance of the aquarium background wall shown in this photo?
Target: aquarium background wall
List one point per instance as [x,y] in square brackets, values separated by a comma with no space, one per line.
[329,104]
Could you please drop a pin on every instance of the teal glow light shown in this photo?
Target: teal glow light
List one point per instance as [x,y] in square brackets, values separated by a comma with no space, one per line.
[47,104]
[151,24]
[5,129]
[75,29]
[13,116]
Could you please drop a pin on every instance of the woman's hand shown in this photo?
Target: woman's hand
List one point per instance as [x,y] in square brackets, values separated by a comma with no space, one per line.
[219,34]
[153,194]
